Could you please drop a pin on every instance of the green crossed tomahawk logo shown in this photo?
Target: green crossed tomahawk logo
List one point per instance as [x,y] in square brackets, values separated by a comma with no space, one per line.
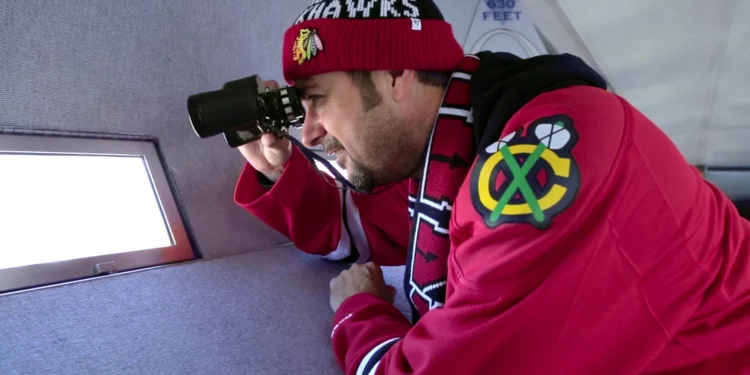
[527,178]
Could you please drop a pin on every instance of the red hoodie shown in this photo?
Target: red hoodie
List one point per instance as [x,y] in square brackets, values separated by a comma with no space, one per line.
[646,270]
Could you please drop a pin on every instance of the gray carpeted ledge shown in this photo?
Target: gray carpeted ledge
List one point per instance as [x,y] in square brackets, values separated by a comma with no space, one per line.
[258,313]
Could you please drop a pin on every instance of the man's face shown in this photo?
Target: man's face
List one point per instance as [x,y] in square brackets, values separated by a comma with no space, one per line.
[361,126]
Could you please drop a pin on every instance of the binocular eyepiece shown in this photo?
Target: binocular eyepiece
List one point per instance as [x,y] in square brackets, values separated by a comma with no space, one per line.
[244,110]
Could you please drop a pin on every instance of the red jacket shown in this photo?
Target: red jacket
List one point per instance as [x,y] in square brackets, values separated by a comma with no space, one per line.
[647,270]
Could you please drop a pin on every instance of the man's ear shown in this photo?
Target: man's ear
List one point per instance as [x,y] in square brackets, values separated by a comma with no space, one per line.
[401,83]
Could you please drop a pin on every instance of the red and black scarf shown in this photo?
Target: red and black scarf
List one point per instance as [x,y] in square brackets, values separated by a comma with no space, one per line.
[449,155]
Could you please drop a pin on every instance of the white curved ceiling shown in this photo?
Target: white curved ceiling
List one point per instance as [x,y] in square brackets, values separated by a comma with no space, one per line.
[684,63]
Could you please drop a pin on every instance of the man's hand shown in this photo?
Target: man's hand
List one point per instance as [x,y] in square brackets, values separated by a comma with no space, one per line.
[357,279]
[269,154]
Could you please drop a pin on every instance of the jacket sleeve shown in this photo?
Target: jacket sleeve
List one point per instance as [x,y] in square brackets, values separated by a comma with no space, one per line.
[321,219]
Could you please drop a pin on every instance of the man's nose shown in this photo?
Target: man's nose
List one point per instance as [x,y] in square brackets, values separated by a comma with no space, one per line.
[312,132]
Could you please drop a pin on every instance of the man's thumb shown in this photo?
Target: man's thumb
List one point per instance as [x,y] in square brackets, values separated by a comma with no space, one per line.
[270,141]
[278,150]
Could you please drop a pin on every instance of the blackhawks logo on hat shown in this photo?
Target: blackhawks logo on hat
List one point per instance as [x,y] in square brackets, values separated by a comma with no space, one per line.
[306,46]
[528,178]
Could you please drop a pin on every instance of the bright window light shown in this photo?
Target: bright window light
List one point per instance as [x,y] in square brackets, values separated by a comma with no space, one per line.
[56,207]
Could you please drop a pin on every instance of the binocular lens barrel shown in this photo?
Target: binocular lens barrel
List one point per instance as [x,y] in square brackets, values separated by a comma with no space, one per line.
[215,112]
[244,110]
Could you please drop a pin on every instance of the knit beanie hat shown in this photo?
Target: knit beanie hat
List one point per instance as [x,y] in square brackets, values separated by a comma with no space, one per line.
[346,35]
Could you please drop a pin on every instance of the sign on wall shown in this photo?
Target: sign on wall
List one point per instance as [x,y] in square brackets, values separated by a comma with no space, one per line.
[503,25]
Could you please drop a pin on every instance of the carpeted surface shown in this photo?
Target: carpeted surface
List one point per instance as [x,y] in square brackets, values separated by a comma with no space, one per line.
[259,313]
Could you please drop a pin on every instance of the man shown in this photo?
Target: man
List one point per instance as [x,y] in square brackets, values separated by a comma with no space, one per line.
[547,227]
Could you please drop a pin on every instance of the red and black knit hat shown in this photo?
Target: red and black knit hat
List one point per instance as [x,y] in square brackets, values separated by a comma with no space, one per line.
[345,35]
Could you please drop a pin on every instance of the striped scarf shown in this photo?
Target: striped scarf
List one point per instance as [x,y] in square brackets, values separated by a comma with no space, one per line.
[449,156]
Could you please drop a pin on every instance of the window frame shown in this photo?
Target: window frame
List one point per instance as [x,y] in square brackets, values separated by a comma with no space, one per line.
[45,274]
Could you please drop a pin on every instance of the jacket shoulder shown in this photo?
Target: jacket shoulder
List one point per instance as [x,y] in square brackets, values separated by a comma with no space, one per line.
[552,159]
[586,103]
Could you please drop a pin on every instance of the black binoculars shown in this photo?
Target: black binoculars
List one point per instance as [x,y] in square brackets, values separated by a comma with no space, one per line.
[244,110]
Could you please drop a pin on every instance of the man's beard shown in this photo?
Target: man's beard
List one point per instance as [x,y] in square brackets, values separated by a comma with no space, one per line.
[362,177]
[388,156]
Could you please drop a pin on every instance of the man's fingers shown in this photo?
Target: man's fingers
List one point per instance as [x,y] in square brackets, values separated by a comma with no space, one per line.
[271,142]
[271,83]
[375,270]
[372,267]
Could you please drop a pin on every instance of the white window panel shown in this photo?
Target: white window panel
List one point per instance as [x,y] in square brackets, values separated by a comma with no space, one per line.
[70,204]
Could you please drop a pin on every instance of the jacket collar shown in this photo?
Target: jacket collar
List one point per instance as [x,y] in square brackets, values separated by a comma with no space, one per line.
[504,83]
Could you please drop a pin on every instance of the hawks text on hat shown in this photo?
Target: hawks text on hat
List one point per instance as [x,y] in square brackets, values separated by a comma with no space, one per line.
[358,9]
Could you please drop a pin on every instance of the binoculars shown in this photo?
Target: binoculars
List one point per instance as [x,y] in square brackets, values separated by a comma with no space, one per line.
[245,109]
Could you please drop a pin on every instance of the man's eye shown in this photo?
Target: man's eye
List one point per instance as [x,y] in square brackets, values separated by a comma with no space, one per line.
[314,98]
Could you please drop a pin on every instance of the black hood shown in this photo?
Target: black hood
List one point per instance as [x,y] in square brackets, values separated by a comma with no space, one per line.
[504,83]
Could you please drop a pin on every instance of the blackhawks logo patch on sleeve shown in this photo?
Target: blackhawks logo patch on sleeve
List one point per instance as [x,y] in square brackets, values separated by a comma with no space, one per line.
[529,176]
